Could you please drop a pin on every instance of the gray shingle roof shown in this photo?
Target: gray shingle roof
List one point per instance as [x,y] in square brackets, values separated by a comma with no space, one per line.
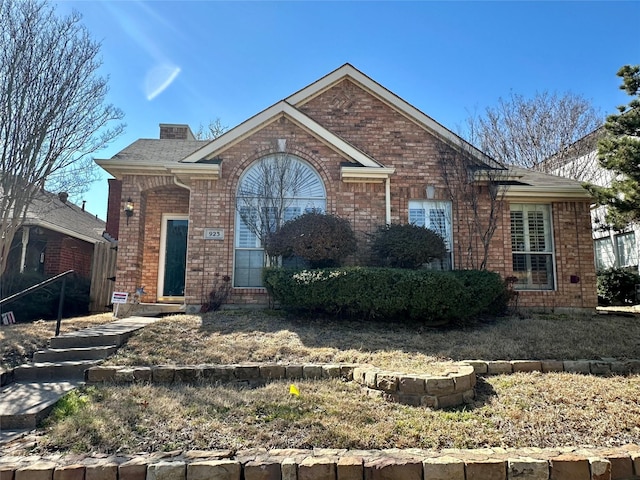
[48,211]
[160,151]
[540,179]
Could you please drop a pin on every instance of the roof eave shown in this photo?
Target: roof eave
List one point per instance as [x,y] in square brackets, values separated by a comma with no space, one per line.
[269,116]
[37,222]
[120,168]
[394,101]
[548,192]
[365,174]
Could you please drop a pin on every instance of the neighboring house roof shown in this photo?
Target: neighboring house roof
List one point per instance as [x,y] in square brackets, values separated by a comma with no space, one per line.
[50,212]
[578,149]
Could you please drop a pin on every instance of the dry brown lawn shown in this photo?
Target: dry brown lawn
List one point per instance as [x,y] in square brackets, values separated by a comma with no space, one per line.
[20,341]
[519,410]
[238,337]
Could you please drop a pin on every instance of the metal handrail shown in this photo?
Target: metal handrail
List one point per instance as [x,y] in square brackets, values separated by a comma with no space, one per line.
[27,291]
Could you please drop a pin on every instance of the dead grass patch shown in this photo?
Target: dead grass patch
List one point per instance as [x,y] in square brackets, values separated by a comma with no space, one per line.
[518,410]
[20,341]
[239,337]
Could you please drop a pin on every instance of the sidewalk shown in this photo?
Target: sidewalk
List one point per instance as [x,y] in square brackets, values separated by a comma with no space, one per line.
[37,386]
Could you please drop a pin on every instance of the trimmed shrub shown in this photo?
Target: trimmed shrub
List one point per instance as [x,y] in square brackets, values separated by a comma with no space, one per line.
[431,297]
[406,246]
[617,286]
[321,239]
[488,290]
[43,303]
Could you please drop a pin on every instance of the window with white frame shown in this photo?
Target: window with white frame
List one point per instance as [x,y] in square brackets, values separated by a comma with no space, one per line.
[605,255]
[627,250]
[434,215]
[532,246]
[272,191]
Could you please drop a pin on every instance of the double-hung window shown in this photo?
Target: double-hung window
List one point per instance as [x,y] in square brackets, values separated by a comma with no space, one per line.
[627,250]
[532,246]
[605,254]
[436,216]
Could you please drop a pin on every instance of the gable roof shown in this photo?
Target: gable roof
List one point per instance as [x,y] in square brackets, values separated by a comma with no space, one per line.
[270,115]
[395,102]
[289,108]
[188,157]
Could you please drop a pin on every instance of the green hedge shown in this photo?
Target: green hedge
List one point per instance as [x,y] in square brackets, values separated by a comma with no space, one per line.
[432,297]
[617,286]
[43,303]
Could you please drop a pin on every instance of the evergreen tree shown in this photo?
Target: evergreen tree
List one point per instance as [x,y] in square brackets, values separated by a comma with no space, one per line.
[619,152]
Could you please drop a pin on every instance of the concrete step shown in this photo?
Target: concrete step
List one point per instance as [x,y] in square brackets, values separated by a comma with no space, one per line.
[24,404]
[88,340]
[51,371]
[68,354]
[114,333]
[128,310]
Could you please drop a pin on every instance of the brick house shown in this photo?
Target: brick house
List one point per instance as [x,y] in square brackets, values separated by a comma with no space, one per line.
[362,153]
[56,236]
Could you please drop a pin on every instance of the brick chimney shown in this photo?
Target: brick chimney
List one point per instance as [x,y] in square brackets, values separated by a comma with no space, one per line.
[176,132]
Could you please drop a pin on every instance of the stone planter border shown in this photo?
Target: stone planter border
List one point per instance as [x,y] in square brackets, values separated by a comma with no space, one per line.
[335,464]
[454,387]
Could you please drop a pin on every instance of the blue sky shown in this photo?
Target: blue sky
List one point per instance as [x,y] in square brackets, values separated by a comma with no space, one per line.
[194,61]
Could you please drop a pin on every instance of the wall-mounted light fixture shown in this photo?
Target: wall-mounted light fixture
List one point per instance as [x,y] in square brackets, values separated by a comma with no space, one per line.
[128,209]
[431,191]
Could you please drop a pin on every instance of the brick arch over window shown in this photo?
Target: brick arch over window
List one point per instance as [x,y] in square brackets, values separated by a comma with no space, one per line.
[293,148]
[275,189]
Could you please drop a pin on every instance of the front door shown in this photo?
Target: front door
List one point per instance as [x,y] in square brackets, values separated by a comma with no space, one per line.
[173,257]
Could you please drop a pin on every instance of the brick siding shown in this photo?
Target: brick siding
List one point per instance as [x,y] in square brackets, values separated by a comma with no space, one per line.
[65,253]
[385,135]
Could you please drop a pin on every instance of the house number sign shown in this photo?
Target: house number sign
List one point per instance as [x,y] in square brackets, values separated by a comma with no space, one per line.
[214,233]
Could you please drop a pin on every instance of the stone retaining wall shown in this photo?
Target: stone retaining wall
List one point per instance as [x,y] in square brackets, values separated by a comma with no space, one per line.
[329,464]
[453,387]
[604,366]
[242,374]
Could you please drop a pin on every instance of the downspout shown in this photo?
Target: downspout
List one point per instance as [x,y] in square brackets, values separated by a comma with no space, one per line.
[180,184]
[387,194]
[183,185]
[25,243]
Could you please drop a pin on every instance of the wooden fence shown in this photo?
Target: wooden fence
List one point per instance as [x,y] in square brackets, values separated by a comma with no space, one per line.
[103,272]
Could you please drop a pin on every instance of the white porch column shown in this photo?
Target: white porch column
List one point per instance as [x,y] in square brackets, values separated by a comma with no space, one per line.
[387,192]
[25,242]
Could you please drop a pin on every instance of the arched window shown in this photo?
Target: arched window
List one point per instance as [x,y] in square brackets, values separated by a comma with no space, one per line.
[272,191]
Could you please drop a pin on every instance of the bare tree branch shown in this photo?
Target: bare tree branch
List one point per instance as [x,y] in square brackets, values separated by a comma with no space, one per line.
[52,111]
[213,131]
[538,133]
[476,194]
[269,188]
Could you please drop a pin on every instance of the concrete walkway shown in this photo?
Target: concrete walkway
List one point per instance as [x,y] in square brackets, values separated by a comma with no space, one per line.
[57,370]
